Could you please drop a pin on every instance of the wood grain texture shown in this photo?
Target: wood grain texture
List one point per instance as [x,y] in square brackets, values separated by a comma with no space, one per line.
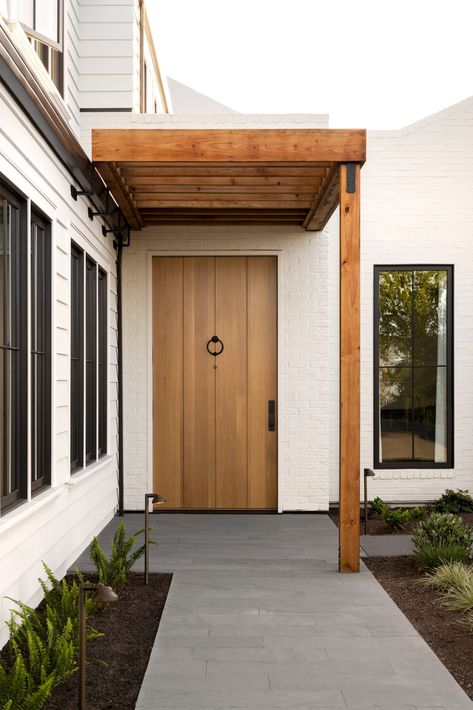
[232,379]
[199,383]
[228,145]
[349,374]
[325,202]
[168,379]
[262,381]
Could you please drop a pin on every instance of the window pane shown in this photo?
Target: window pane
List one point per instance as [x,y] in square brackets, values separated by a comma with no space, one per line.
[102,365]
[395,323]
[46,20]
[91,360]
[430,414]
[430,317]
[395,396]
[77,357]
[25,12]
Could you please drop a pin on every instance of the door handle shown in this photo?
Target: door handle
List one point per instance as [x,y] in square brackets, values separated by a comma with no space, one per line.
[271,415]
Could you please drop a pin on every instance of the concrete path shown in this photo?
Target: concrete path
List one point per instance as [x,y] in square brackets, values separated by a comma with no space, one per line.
[258,617]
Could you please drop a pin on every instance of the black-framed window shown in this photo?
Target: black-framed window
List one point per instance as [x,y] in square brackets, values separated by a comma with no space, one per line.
[102,361]
[40,315]
[91,360]
[413,366]
[13,354]
[77,357]
[88,360]
[42,21]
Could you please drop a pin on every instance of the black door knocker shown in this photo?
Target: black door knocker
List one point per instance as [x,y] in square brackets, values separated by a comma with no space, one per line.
[215,339]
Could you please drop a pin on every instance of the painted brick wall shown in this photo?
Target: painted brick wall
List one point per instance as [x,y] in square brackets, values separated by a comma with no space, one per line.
[417,207]
[304,410]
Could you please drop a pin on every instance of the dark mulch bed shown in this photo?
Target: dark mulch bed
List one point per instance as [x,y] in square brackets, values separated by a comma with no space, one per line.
[377,526]
[130,626]
[441,628]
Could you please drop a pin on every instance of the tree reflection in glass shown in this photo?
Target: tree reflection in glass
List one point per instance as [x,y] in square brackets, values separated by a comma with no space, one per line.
[412,365]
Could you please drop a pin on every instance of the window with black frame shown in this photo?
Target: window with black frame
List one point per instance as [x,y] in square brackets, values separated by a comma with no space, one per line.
[413,383]
[40,319]
[102,362]
[88,360]
[77,357]
[42,21]
[13,356]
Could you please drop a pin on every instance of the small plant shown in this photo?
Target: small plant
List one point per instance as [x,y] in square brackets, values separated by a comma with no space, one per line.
[377,506]
[449,576]
[454,502]
[442,537]
[114,571]
[19,690]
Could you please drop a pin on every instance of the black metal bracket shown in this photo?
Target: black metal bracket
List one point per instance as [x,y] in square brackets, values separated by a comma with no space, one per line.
[75,192]
[351,177]
[100,213]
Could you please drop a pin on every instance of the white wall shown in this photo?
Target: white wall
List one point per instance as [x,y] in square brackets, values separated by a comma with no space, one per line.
[416,207]
[56,525]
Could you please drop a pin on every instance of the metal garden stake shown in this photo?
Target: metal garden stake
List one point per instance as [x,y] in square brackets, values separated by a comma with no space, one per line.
[155,499]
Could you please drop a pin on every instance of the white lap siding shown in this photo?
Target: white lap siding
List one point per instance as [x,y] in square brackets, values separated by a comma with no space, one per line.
[58,523]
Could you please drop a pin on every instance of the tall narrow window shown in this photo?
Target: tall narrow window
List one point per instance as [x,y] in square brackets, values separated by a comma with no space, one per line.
[91,361]
[13,405]
[102,364]
[413,367]
[40,354]
[77,357]
[43,23]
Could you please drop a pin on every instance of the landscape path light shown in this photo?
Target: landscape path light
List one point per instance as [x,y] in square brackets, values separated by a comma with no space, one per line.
[103,595]
[155,499]
[368,473]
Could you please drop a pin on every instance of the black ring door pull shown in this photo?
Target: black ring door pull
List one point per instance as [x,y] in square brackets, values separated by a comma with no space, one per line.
[215,339]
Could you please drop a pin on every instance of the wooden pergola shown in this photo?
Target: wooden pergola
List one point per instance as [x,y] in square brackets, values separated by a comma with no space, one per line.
[261,176]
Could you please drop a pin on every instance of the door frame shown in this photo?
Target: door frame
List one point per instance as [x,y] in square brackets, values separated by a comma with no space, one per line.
[279,254]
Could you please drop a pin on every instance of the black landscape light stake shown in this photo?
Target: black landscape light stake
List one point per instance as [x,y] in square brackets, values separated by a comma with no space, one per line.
[103,595]
[368,474]
[155,499]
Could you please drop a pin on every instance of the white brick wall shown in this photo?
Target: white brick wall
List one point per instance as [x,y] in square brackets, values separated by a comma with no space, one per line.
[304,411]
[417,207]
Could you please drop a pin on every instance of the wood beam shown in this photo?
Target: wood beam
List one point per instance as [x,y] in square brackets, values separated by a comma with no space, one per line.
[216,203]
[122,195]
[349,369]
[325,202]
[157,145]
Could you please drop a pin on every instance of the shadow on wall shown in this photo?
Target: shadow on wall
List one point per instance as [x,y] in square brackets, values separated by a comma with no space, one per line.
[187,100]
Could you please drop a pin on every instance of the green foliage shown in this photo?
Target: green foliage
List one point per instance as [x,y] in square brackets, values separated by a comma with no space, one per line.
[454,502]
[442,537]
[114,571]
[377,506]
[449,576]
[395,518]
[19,690]
[43,645]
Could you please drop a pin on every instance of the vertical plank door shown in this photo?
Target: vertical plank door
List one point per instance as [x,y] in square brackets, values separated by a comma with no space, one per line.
[262,382]
[199,383]
[231,468]
[168,379]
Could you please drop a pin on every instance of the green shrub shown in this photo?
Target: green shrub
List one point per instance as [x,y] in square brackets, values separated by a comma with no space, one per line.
[19,690]
[450,575]
[442,537]
[454,502]
[377,506]
[113,572]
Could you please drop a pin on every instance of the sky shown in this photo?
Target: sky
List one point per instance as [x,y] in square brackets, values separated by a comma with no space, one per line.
[367,63]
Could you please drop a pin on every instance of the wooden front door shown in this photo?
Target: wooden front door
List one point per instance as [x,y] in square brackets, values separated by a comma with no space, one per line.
[214,416]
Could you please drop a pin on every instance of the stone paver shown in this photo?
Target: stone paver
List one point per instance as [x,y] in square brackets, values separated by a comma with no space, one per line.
[386,545]
[258,617]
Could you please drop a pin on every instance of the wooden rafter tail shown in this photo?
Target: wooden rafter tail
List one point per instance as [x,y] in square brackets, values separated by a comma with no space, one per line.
[325,202]
[121,193]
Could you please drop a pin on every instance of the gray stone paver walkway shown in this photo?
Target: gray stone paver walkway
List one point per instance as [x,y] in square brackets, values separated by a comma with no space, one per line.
[258,617]
[386,545]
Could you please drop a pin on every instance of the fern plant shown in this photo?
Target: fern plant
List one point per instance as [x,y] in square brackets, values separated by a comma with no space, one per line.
[114,571]
[19,690]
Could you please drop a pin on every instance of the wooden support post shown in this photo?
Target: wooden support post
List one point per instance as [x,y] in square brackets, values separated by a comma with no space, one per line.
[349,368]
